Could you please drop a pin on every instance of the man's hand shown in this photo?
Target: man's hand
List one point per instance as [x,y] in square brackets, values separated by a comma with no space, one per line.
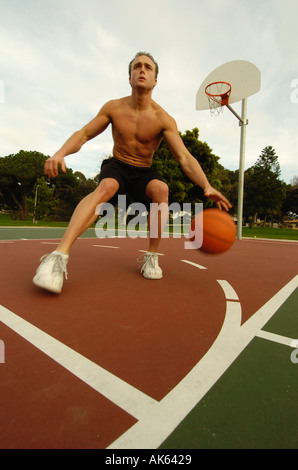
[52,164]
[216,196]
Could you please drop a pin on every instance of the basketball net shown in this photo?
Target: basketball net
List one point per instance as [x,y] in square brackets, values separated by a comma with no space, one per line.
[218,96]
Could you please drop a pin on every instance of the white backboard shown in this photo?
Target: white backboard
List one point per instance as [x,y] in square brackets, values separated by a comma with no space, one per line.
[244,78]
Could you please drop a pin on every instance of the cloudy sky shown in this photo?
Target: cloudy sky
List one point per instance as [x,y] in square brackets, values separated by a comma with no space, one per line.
[61,60]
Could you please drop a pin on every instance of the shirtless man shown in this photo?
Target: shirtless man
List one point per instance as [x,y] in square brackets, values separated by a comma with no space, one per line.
[138,126]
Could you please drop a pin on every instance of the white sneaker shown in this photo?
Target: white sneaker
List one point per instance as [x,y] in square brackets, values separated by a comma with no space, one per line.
[50,273]
[150,268]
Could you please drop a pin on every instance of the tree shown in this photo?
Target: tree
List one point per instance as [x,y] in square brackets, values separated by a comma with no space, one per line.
[264,192]
[42,201]
[18,175]
[181,188]
[229,185]
[290,205]
[22,173]
[85,186]
[65,186]
[267,162]
[69,189]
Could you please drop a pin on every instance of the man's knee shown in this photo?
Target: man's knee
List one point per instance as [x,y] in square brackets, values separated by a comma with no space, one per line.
[158,191]
[106,189]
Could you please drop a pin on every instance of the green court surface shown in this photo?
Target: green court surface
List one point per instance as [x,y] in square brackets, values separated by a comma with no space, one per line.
[254,404]
[32,233]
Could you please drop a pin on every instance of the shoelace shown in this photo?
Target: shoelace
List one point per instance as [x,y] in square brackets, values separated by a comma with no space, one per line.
[59,262]
[147,259]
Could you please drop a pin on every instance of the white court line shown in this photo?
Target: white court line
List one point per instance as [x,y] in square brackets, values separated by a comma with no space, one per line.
[106,246]
[163,419]
[119,392]
[49,243]
[228,290]
[193,264]
[255,323]
[276,338]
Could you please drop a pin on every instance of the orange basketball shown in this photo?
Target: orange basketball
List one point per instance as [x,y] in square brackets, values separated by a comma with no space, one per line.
[219,231]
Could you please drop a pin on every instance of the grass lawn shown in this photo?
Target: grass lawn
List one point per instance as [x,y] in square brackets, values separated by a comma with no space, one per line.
[5,221]
[268,232]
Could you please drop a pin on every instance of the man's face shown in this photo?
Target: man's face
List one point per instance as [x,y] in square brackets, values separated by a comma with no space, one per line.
[143,73]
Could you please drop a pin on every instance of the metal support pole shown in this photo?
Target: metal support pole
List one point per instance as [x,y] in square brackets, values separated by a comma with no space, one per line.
[243,123]
[235,114]
[35,203]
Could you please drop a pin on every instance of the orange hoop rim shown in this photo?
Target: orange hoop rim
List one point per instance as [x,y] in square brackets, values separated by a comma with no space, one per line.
[224,97]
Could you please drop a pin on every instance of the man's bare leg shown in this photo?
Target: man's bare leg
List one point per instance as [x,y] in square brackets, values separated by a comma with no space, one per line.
[84,214]
[159,194]
[50,273]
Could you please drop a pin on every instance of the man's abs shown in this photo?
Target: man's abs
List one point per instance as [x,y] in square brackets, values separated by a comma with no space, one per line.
[133,160]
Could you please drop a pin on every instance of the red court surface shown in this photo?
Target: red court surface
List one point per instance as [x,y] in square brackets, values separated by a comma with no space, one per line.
[110,321]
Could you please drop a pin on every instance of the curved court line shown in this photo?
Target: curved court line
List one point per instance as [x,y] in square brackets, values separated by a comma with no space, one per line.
[228,290]
[165,416]
[156,419]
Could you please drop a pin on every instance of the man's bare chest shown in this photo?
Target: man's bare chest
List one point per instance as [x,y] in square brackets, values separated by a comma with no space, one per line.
[143,127]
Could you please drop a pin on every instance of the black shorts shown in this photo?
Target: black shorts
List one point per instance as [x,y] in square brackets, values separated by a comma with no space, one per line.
[133,180]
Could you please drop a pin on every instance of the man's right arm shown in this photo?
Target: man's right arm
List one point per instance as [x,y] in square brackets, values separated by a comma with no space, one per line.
[77,140]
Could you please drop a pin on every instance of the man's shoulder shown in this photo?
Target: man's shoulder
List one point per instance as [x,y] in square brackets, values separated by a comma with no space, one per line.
[115,104]
[164,117]
[119,101]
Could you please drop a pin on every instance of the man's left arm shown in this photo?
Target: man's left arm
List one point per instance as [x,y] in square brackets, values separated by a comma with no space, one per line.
[190,165]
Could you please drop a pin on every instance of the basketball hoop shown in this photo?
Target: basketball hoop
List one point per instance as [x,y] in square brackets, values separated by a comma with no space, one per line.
[218,95]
